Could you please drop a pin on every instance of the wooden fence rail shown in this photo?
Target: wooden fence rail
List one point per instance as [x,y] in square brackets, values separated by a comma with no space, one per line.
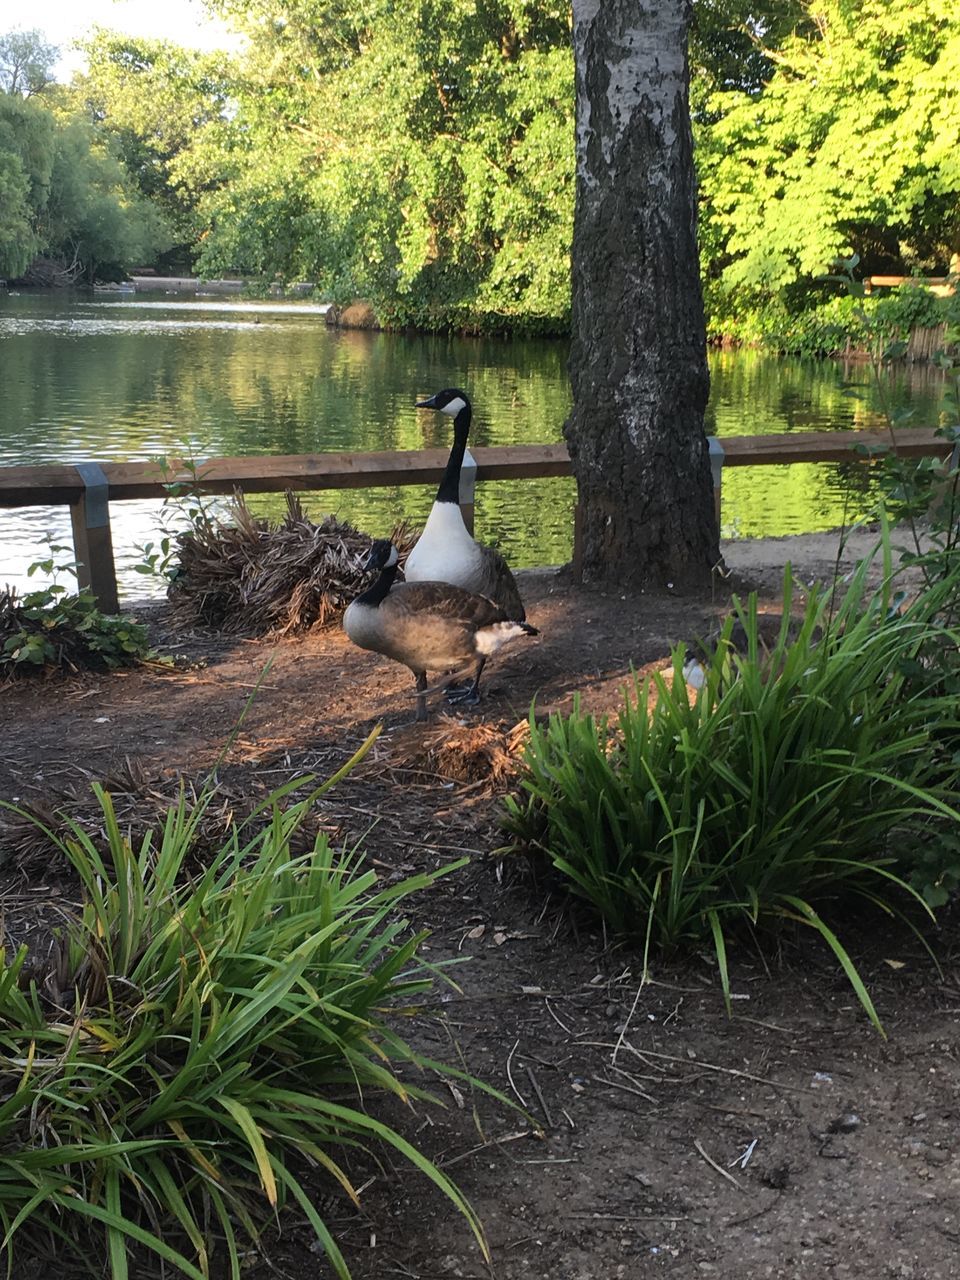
[88,488]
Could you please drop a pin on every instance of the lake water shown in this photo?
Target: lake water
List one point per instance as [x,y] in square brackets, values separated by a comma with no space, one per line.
[112,377]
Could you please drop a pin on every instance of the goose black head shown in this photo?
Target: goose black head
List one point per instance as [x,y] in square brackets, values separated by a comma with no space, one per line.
[450,401]
[382,555]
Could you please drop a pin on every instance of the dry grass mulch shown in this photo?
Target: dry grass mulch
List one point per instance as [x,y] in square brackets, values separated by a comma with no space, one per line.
[249,576]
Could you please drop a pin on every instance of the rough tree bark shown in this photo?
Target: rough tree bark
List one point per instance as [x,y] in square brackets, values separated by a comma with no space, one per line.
[638,359]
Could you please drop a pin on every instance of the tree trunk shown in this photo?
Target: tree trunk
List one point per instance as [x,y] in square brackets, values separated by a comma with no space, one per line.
[638,358]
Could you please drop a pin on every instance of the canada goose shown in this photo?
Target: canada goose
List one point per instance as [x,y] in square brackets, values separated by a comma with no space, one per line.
[445,551]
[769,625]
[428,626]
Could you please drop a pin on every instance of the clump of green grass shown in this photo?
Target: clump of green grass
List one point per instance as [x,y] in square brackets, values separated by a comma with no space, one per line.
[795,784]
[195,1047]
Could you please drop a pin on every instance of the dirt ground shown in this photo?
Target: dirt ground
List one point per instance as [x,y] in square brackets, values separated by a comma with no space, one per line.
[790,1140]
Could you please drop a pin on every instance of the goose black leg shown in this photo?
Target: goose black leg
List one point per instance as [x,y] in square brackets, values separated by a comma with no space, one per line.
[471,694]
[421,695]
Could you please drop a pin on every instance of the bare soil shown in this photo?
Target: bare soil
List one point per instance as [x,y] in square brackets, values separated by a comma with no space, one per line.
[661,1137]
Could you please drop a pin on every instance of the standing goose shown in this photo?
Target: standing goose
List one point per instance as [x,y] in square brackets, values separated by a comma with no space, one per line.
[428,626]
[445,551]
[769,629]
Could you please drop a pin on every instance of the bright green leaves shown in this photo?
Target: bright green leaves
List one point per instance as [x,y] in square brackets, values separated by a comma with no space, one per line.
[420,155]
[421,158]
[844,149]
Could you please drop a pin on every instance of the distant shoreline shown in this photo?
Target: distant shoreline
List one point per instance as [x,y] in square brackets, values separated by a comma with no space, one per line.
[196,284]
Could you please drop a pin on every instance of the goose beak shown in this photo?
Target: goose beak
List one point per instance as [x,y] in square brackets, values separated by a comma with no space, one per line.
[427,404]
[369,563]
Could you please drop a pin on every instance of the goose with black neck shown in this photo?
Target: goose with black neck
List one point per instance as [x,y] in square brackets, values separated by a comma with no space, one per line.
[446,551]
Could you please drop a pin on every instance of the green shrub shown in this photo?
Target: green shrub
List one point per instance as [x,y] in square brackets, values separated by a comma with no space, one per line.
[192,1049]
[810,325]
[801,786]
[52,628]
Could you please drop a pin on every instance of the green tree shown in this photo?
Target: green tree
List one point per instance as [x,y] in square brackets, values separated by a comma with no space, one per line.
[27,147]
[159,101]
[734,43]
[419,155]
[850,147]
[94,221]
[17,241]
[26,62]
[66,197]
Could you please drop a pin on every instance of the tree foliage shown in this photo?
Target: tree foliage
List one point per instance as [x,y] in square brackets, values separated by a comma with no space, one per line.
[733,45]
[26,62]
[419,155]
[26,163]
[422,155]
[159,102]
[65,193]
[851,146]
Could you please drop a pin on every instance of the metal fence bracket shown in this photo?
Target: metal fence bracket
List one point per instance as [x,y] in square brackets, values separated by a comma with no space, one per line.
[468,488]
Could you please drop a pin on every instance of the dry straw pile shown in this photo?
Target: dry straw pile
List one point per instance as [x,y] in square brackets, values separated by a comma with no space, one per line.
[480,754]
[250,576]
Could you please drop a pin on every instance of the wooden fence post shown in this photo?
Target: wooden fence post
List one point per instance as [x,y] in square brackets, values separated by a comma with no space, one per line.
[92,542]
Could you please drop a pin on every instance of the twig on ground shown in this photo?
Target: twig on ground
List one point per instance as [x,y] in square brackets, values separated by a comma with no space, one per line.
[523,1101]
[615,1084]
[728,1071]
[738,1222]
[673,1014]
[626,1026]
[559,1021]
[770,1026]
[713,1165]
[632,1217]
[744,1111]
[643,1054]
[493,1142]
[540,1098]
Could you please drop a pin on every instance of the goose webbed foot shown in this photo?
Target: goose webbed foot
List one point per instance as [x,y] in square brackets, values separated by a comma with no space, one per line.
[468,694]
[464,694]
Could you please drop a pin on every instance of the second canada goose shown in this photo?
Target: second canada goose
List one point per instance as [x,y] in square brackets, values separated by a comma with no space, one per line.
[768,626]
[428,626]
[446,551]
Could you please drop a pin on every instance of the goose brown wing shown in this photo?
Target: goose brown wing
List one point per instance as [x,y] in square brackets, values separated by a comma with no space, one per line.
[500,585]
[441,600]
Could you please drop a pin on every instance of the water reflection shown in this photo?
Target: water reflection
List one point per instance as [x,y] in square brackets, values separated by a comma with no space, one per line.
[135,378]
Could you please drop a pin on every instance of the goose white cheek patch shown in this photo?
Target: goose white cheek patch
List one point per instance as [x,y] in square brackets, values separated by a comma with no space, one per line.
[454,407]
